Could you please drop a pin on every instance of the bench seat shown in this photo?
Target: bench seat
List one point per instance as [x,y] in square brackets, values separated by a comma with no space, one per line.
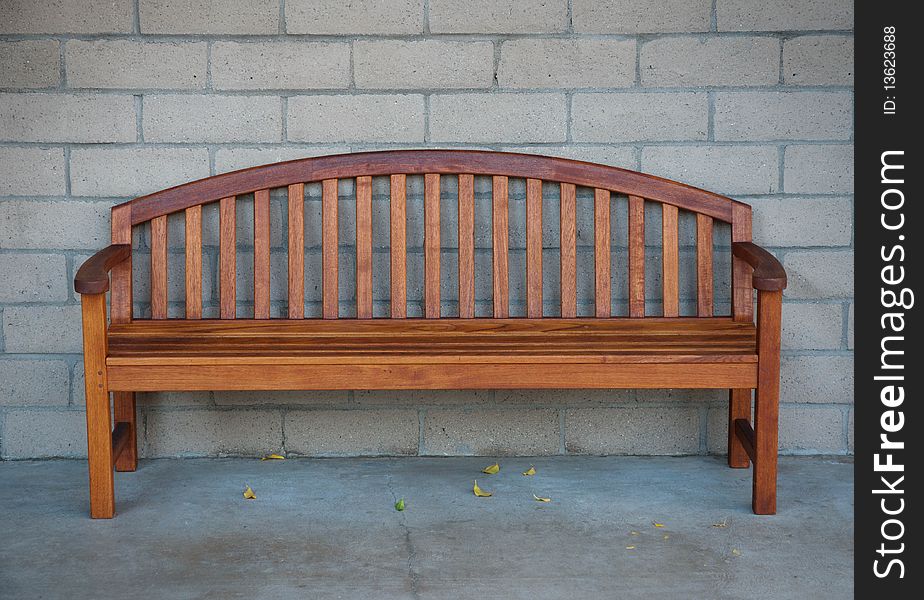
[428,353]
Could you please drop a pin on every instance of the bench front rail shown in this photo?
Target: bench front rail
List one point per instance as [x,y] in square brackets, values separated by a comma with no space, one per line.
[127,354]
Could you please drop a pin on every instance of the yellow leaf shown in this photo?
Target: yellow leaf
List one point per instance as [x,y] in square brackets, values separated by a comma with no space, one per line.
[658,524]
[479,492]
[492,469]
[274,457]
[736,552]
[540,499]
[249,495]
[722,523]
[666,536]
[630,547]
[530,471]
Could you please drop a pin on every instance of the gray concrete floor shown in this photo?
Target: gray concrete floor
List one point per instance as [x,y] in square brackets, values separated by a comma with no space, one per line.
[327,528]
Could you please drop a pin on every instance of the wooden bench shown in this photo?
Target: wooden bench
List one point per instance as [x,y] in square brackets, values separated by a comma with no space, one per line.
[633,350]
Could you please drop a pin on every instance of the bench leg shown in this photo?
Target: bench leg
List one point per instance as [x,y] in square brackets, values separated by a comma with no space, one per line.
[739,407]
[766,402]
[123,404]
[99,423]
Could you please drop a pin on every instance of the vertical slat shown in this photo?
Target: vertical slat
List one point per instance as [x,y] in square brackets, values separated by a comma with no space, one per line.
[159,267]
[704,285]
[120,311]
[329,277]
[602,253]
[296,297]
[670,261]
[636,257]
[228,258]
[466,246]
[398,246]
[261,255]
[499,220]
[364,247]
[432,246]
[742,289]
[568,252]
[534,248]
[194,262]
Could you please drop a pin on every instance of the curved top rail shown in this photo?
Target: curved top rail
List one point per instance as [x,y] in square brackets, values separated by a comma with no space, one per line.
[418,162]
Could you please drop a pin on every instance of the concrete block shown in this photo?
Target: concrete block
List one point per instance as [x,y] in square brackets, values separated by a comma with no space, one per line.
[488,16]
[802,221]
[368,118]
[28,225]
[78,118]
[680,395]
[754,116]
[783,15]
[817,379]
[73,16]
[31,433]
[294,399]
[234,158]
[812,326]
[566,63]
[818,60]
[362,17]
[812,430]
[399,64]
[639,117]
[352,432]
[491,432]
[722,169]
[32,172]
[635,430]
[280,65]
[493,118]
[33,278]
[212,432]
[143,65]
[29,63]
[818,169]
[126,172]
[819,274]
[616,156]
[710,61]
[416,398]
[196,400]
[850,326]
[638,16]
[42,329]
[562,398]
[209,119]
[242,17]
[33,383]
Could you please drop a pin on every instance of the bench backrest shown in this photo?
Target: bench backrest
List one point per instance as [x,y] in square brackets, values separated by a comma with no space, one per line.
[463,166]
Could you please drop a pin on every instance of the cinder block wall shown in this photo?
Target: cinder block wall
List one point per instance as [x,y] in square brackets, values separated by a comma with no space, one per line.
[103,100]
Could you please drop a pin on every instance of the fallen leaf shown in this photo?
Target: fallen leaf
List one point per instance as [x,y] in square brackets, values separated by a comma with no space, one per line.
[479,492]
[666,536]
[633,532]
[530,471]
[630,547]
[736,552]
[249,495]
[541,499]
[492,469]
[274,457]
[658,524]
[399,505]
[722,523]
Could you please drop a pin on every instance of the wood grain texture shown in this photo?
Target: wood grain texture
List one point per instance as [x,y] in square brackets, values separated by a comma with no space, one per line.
[125,413]
[296,263]
[398,221]
[636,256]
[466,246]
[568,251]
[431,246]
[93,275]
[227,260]
[99,432]
[261,254]
[739,408]
[330,295]
[767,402]
[194,262]
[120,296]
[364,247]
[499,227]
[159,268]
[768,273]
[670,261]
[602,305]
[742,290]
[442,162]
[533,248]
[704,277]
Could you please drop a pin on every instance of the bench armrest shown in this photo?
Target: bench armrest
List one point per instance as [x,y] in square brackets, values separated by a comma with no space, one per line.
[769,274]
[93,275]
